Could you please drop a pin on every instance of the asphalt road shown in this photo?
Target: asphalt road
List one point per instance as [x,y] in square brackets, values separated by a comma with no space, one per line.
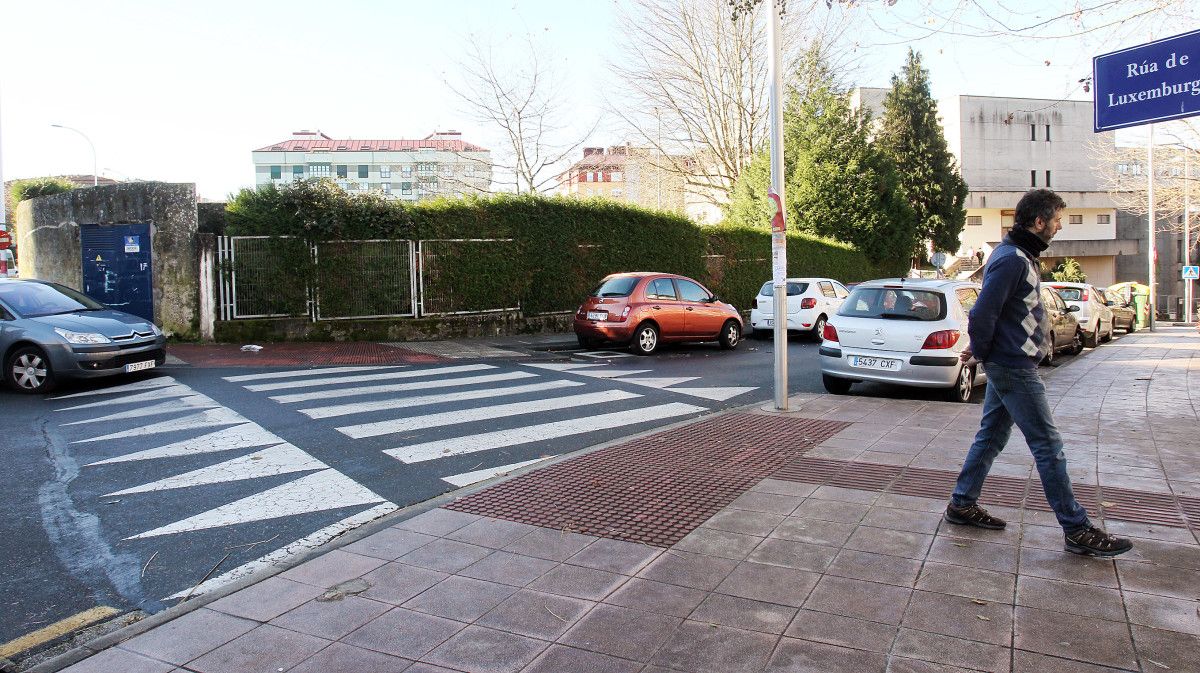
[132,492]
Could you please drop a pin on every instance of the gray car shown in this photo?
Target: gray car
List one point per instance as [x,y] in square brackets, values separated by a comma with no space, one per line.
[49,332]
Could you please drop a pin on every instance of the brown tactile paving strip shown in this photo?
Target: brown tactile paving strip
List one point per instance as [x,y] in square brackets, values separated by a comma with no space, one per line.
[1158,509]
[658,488]
[299,355]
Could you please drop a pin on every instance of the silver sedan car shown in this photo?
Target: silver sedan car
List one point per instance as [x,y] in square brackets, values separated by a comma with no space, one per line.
[903,331]
[50,332]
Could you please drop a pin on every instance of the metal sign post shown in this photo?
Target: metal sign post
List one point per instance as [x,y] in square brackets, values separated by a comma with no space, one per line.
[1152,249]
[778,225]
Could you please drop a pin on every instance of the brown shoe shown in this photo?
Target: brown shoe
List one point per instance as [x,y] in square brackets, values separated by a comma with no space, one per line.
[1092,541]
[972,515]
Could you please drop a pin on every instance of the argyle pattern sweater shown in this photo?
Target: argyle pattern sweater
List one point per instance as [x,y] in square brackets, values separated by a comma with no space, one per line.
[1008,324]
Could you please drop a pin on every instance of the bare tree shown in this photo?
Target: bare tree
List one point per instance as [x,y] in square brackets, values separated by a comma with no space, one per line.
[520,94]
[1124,173]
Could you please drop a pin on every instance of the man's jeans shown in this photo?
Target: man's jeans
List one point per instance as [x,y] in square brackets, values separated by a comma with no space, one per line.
[1017,395]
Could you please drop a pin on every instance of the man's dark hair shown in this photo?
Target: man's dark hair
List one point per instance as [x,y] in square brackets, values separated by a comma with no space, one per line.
[1037,203]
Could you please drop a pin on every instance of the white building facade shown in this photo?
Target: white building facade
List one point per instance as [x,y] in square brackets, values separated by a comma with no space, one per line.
[441,164]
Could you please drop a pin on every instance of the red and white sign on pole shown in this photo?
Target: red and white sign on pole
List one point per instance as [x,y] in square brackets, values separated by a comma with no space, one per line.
[5,240]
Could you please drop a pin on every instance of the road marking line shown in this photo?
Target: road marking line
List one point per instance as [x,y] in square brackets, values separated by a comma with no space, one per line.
[157,382]
[558,367]
[189,403]
[609,374]
[482,413]
[718,394]
[417,453]
[203,419]
[401,387]
[158,394]
[432,371]
[244,436]
[270,462]
[660,383]
[421,400]
[468,478]
[57,629]
[307,372]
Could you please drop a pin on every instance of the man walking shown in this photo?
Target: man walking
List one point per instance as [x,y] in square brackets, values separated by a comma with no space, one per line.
[1008,330]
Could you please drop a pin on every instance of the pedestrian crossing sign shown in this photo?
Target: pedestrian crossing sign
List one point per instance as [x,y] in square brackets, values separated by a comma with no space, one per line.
[1191,273]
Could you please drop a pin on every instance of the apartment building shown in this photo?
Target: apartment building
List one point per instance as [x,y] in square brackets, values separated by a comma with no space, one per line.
[641,176]
[441,164]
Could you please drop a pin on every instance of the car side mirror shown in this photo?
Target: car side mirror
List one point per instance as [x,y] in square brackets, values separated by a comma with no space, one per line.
[1073,309]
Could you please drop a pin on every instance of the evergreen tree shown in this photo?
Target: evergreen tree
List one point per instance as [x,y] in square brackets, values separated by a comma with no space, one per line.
[913,138]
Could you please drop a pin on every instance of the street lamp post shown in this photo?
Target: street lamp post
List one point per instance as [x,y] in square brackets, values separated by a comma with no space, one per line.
[95,177]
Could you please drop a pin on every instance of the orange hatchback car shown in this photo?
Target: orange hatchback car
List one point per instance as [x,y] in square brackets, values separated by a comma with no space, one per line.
[644,309]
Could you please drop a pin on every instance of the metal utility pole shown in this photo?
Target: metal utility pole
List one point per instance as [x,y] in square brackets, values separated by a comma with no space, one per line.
[1187,236]
[1152,248]
[778,226]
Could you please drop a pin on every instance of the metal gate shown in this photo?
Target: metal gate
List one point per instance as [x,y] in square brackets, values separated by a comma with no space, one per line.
[258,277]
[117,268]
[438,275]
[365,279]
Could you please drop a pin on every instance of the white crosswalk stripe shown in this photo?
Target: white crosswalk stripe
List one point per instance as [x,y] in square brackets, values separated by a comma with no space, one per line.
[360,391]
[432,371]
[269,462]
[145,384]
[204,419]
[189,403]
[476,476]
[244,436]
[157,394]
[441,398]
[320,371]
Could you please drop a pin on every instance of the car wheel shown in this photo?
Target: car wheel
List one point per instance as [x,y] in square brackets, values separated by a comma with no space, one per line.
[28,371]
[1091,341]
[1077,343]
[587,343]
[731,334]
[1109,335]
[1049,359]
[645,339]
[818,330]
[835,385]
[963,387]
[1132,327]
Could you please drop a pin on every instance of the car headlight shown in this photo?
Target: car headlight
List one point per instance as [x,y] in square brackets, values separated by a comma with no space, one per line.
[83,338]
[154,328]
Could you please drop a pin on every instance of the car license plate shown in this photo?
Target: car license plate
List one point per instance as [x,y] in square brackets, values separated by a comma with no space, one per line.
[597,315]
[769,323]
[886,364]
[139,366]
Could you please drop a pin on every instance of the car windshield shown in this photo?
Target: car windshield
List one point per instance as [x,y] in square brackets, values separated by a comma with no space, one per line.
[793,289]
[33,300]
[894,303]
[621,286]
[1068,293]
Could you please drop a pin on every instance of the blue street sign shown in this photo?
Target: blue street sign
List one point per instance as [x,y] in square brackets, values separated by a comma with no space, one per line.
[1148,83]
[1191,273]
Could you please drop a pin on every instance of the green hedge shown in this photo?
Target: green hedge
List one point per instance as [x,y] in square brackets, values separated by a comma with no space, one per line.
[560,247]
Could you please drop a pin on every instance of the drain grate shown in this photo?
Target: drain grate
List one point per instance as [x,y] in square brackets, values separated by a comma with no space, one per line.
[656,489]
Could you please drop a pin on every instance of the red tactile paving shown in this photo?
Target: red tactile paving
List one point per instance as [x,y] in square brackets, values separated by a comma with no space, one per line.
[292,354]
[658,488]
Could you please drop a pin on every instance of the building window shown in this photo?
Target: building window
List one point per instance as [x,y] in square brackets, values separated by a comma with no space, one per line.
[344,184]
[1047,133]
[616,176]
[276,172]
[1033,178]
[297,172]
[319,170]
[387,187]
[426,168]
[1104,219]
[406,171]
[1047,178]
[1033,131]
[385,172]
[469,169]
[447,169]
[975,220]
[341,171]
[363,170]
[406,188]
[1075,219]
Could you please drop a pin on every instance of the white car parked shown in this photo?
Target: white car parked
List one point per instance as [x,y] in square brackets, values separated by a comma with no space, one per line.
[903,331]
[810,302]
[1094,316]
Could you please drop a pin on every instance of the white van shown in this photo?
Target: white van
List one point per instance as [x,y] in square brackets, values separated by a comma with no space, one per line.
[8,265]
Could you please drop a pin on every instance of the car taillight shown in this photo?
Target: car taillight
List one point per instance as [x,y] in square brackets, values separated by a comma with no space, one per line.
[1083,296]
[808,302]
[619,318]
[829,333]
[943,339]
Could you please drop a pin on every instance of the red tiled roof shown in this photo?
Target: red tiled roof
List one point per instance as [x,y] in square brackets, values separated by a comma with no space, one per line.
[350,145]
[600,161]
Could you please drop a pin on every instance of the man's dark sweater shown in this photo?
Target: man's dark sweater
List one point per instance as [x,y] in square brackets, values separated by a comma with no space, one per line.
[1008,323]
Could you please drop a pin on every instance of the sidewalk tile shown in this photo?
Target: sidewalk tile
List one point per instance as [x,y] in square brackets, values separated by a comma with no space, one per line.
[802,656]
[766,502]
[1161,612]
[701,648]
[840,494]
[187,637]
[331,619]
[479,650]
[508,568]
[1073,637]
[863,565]
[986,585]
[973,554]
[832,510]
[117,660]
[561,659]
[713,542]
[858,598]
[404,633]
[266,600]
[438,522]
[1041,537]
[266,648]
[1167,648]
[899,664]
[395,583]
[1061,565]
[798,555]
[332,568]
[1010,535]
[744,613]
[890,542]
[689,570]
[616,556]
[784,487]
[951,651]
[903,519]
[420,667]
[448,556]
[578,582]
[814,531]
[622,632]
[843,631]
[911,502]
[460,598]
[389,544]
[959,617]
[550,543]
[491,533]
[1149,578]
[341,658]
[651,596]
[745,521]
[1146,531]
[1031,662]
[1078,599]
[770,583]
[1166,554]
[535,614]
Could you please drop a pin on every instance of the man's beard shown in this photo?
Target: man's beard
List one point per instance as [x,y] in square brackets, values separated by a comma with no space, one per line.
[1046,234]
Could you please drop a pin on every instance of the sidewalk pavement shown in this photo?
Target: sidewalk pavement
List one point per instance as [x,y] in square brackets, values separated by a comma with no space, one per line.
[809,540]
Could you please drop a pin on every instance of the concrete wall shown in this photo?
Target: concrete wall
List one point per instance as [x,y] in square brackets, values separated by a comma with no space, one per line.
[48,237]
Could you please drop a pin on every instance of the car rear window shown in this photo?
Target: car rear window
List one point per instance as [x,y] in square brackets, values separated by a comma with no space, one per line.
[1069,293]
[894,304]
[793,289]
[621,286]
